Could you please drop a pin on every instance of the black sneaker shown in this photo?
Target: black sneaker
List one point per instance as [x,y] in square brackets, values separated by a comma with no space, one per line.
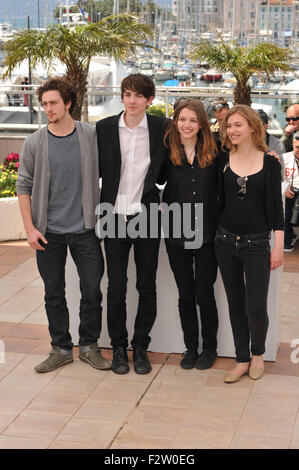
[189,359]
[288,247]
[120,362]
[142,364]
[206,360]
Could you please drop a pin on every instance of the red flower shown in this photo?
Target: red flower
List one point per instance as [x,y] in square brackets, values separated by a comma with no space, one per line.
[12,157]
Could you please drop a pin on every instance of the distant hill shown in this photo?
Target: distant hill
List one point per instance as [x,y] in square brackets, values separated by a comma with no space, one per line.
[16,11]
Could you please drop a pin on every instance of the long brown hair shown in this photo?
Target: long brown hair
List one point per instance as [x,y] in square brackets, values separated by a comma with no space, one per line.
[254,121]
[206,148]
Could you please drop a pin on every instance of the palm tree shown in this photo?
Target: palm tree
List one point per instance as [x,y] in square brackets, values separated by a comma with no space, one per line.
[243,62]
[116,36]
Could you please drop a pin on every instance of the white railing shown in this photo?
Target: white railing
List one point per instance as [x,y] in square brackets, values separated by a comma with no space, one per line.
[167,93]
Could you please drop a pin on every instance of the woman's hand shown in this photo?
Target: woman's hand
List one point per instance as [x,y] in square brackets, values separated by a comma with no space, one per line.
[276,256]
[274,154]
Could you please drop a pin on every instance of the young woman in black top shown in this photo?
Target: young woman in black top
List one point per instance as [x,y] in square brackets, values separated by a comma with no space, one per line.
[191,175]
[251,209]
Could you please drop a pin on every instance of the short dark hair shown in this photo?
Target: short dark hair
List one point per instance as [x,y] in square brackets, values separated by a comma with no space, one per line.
[68,92]
[140,83]
[263,115]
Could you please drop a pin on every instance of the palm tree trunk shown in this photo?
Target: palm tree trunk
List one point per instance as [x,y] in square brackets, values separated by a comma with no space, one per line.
[78,79]
[242,94]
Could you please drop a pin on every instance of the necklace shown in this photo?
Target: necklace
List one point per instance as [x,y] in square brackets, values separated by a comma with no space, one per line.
[189,155]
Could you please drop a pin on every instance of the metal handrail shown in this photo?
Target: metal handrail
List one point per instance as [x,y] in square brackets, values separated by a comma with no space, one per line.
[165,92]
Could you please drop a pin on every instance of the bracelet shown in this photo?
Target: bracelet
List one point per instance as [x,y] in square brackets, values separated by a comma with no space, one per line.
[30,230]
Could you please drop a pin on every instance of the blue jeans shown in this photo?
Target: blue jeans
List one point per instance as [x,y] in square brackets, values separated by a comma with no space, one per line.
[244,262]
[86,252]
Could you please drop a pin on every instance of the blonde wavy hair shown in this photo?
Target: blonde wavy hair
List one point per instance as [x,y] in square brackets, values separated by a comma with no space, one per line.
[254,121]
[206,148]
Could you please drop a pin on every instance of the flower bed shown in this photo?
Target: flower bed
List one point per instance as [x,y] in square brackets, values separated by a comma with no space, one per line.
[9,175]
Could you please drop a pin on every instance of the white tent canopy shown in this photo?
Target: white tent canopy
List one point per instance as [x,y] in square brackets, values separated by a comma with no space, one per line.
[292,86]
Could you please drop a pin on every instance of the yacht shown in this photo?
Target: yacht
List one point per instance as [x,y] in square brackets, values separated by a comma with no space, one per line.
[166,72]
[6,32]
[184,73]
[211,76]
[147,67]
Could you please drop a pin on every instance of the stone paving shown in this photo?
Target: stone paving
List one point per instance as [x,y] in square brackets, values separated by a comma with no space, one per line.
[79,407]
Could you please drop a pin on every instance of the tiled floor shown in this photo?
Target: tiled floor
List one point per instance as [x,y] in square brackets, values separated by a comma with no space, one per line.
[80,407]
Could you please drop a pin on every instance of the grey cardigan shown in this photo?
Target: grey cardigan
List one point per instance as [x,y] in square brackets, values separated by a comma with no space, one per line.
[34,174]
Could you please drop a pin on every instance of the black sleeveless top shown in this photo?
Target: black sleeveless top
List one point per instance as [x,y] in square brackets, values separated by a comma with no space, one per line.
[246,215]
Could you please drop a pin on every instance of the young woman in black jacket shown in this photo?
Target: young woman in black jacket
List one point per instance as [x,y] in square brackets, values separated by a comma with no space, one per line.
[191,173]
[251,207]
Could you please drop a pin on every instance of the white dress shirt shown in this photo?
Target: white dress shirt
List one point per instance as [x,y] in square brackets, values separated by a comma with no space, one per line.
[135,162]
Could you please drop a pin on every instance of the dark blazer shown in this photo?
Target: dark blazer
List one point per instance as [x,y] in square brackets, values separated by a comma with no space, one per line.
[110,157]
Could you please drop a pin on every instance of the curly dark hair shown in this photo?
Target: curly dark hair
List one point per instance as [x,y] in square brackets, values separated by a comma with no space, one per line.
[68,92]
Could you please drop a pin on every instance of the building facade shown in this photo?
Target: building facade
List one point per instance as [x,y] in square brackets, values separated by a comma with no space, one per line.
[246,21]
[198,15]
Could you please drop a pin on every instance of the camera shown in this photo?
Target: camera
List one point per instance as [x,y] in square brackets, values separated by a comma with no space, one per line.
[295,212]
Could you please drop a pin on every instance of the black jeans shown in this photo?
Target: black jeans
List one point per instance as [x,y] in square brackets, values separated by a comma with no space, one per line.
[146,252]
[289,232]
[86,252]
[195,272]
[244,262]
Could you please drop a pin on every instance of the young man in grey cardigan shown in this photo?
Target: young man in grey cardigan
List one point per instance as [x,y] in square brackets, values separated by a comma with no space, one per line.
[58,190]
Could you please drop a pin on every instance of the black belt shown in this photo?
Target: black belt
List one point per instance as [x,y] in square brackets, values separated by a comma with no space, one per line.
[265,236]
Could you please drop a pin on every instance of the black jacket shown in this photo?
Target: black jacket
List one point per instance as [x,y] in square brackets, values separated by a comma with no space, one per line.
[192,184]
[110,157]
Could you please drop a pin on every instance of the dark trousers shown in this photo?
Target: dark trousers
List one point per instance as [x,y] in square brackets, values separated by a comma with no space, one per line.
[146,252]
[244,263]
[289,232]
[195,272]
[86,252]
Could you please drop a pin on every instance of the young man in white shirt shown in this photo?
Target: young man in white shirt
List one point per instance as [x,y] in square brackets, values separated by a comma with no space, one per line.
[291,163]
[131,153]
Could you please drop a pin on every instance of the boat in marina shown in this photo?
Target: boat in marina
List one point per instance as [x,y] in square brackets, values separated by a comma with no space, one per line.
[166,72]
[212,75]
[184,73]
[6,32]
[72,16]
[147,67]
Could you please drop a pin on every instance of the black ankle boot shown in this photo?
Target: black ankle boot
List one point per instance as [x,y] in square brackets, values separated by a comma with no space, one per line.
[120,362]
[189,359]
